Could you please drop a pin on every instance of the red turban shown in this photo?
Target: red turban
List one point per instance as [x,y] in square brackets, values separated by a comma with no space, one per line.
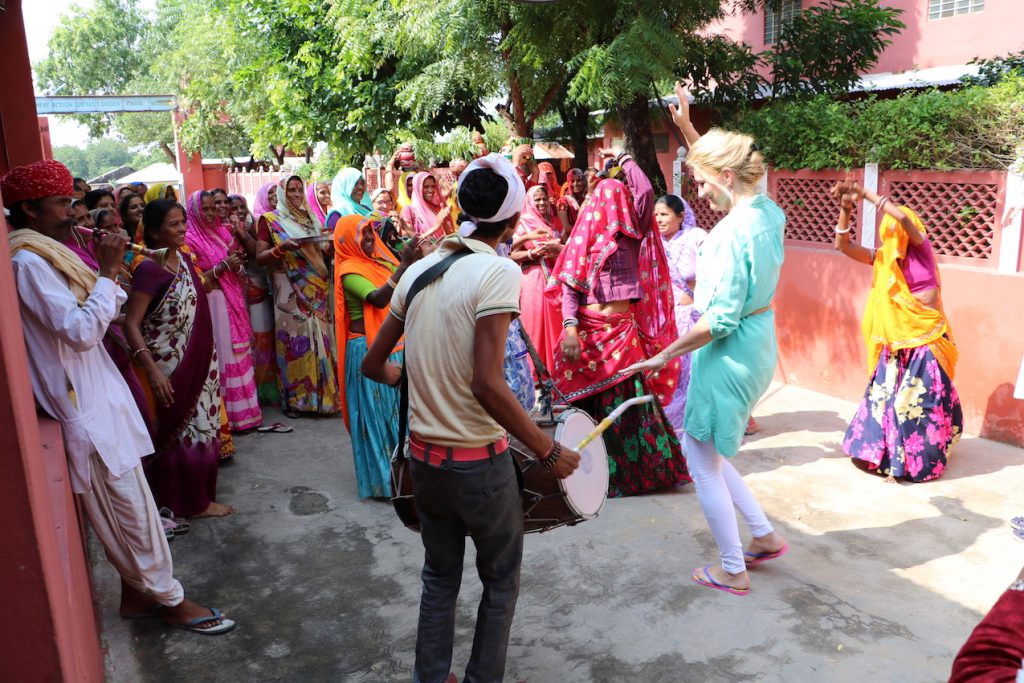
[44,178]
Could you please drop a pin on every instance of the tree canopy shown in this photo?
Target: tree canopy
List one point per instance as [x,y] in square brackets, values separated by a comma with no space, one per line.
[362,75]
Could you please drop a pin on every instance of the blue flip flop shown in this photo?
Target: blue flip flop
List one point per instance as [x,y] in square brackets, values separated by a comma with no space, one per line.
[754,559]
[704,578]
[223,627]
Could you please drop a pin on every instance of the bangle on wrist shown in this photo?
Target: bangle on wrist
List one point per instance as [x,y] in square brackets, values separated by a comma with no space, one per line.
[881,202]
[842,232]
[570,322]
[552,456]
[136,352]
[391,283]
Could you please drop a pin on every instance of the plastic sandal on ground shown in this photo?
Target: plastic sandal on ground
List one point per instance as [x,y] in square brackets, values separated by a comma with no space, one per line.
[224,626]
[754,559]
[702,576]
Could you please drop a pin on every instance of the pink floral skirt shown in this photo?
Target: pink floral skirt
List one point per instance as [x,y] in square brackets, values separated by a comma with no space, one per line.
[909,418]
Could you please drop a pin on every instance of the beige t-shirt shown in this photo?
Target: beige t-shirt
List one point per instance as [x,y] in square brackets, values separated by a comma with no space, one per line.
[439,341]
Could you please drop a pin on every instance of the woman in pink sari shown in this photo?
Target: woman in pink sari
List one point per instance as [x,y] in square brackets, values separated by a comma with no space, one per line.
[536,244]
[318,194]
[218,254]
[427,213]
[611,281]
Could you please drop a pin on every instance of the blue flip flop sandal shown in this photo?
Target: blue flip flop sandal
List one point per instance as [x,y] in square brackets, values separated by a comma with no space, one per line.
[224,626]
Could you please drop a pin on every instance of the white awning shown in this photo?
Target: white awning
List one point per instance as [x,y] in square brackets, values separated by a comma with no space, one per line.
[154,173]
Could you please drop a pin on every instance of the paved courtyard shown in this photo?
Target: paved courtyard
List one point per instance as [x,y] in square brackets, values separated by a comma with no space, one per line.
[883,583]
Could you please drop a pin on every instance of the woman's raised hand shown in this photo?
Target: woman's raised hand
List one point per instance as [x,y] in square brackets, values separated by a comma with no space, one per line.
[681,112]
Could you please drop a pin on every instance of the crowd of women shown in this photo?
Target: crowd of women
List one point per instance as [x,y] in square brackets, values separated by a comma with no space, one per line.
[235,308]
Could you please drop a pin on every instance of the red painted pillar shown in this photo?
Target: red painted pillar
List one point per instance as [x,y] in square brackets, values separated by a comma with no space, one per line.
[44,137]
[189,165]
[19,128]
[48,630]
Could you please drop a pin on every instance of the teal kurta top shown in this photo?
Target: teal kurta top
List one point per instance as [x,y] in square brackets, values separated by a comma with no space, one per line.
[737,271]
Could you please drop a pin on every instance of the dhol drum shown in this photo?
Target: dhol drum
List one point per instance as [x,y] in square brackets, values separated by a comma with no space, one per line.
[548,502]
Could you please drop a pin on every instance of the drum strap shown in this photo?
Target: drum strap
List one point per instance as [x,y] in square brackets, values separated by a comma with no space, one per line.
[426,277]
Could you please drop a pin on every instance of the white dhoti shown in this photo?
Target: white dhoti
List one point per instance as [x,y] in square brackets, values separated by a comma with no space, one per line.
[127,523]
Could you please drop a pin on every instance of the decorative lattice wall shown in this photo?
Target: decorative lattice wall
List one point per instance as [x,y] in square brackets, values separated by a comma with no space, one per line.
[960,210]
[811,212]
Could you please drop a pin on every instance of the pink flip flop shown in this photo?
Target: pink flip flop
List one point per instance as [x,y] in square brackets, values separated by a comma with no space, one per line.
[709,582]
[754,559]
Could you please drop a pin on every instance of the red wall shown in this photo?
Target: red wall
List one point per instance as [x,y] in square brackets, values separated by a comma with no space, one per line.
[214,175]
[819,306]
[48,628]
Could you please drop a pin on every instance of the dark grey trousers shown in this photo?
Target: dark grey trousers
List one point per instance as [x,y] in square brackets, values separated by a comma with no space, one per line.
[481,497]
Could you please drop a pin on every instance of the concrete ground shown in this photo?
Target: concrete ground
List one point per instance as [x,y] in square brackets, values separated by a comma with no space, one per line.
[883,583]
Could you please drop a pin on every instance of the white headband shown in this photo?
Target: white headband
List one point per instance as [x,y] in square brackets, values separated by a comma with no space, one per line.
[513,203]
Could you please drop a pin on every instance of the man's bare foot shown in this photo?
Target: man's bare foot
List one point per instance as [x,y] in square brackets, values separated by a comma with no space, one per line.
[891,480]
[135,604]
[187,611]
[217,510]
[740,581]
[770,543]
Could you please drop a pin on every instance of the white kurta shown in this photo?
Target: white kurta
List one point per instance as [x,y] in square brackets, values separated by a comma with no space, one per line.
[65,351]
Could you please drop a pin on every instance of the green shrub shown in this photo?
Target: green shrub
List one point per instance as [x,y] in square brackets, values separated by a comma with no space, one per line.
[974,127]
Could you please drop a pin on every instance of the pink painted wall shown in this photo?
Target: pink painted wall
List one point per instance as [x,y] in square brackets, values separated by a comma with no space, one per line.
[925,43]
[818,310]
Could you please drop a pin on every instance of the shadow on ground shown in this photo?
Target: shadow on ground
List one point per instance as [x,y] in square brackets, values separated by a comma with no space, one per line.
[883,583]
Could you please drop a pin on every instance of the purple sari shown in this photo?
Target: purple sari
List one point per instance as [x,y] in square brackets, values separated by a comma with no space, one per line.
[681,250]
[179,334]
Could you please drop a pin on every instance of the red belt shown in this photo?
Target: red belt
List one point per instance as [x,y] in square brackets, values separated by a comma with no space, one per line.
[432,454]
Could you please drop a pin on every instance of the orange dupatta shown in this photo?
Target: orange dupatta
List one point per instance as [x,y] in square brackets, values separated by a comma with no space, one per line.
[350,259]
[893,317]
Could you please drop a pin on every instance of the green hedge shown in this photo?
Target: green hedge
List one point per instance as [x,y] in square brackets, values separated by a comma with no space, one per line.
[973,127]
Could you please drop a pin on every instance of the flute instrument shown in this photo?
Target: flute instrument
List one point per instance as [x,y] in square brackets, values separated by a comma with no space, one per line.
[158,255]
[614,415]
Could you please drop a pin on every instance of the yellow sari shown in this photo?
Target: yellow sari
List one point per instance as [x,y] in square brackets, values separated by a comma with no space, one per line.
[893,317]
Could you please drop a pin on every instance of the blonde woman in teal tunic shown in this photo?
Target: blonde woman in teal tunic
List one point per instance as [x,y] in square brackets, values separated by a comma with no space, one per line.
[733,346]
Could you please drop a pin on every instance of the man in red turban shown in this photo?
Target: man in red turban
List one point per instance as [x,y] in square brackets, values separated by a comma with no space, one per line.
[66,309]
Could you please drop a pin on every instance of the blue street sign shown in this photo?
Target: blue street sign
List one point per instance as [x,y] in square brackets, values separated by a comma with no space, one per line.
[105,104]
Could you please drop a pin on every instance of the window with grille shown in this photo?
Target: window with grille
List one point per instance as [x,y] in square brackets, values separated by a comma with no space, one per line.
[938,9]
[776,19]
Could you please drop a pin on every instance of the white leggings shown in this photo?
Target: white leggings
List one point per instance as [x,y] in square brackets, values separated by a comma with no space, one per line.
[719,488]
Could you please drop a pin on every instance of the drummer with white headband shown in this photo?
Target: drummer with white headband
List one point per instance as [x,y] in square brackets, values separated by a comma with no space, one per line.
[460,409]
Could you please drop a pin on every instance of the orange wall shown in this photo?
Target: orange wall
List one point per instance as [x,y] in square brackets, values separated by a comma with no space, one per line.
[214,175]
[819,305]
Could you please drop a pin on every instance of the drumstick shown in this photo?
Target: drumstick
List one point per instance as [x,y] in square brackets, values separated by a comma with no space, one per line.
[607,422]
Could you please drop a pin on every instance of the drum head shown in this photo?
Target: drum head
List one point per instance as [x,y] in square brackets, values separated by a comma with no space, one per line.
[587,487]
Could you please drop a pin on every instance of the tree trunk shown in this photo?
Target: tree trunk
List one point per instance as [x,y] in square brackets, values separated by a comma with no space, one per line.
[576,120]
[636,125]
[170,154]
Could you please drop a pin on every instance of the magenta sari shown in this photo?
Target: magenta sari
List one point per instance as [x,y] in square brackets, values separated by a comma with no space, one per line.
[210,244]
